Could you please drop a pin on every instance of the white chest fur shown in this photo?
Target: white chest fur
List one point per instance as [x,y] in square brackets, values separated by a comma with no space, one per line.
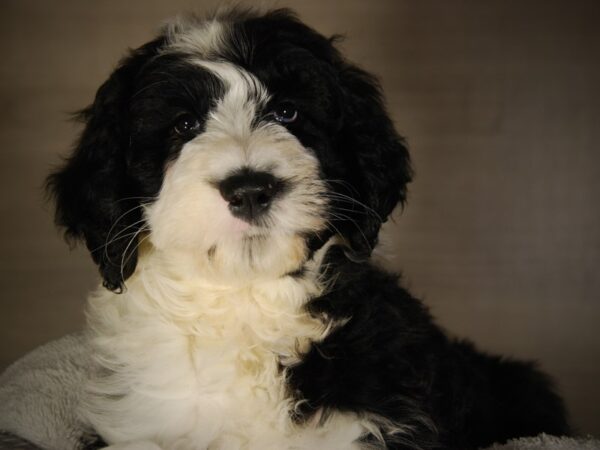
[189,365]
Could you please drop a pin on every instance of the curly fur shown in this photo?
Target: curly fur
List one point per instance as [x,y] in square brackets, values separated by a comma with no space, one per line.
[216,330]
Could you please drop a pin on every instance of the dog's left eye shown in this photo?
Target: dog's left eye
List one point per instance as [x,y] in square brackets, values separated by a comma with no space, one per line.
[185,124]
[286,112]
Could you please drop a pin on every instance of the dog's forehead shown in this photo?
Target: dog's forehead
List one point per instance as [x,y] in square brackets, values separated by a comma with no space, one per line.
[207,56]
[237,69]
[234,37]
[258,44]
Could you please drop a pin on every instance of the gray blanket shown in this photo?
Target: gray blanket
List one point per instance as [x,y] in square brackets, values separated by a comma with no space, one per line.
[39,394]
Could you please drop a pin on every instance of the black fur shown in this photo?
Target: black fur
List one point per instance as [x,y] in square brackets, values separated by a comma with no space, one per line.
[389,360]
[94,192]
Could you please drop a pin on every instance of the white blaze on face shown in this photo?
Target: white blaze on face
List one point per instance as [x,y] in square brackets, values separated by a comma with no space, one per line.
[187,35]
[190,214]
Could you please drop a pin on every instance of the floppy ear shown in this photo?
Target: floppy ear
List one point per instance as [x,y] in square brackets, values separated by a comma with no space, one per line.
[91,192]
[379,158]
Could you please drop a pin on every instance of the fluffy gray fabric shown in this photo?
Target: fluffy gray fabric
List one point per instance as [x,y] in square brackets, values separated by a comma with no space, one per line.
[39,394]
[546,442]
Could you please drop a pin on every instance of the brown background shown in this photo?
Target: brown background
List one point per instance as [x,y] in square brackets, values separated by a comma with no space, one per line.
[499,101]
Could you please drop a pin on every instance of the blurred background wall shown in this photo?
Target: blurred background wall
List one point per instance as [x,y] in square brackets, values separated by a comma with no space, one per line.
[499,101]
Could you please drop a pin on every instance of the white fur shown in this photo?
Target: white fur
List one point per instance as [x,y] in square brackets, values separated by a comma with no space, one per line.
[188,35]
[189,364]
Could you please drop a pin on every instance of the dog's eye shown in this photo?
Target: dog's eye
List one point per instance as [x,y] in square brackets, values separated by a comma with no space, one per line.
[185,124]
[286,112]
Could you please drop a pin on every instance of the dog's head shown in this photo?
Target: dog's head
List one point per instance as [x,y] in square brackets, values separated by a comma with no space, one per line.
[244,139]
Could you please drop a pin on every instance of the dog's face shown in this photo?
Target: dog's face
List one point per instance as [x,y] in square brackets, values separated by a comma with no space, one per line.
[244,141]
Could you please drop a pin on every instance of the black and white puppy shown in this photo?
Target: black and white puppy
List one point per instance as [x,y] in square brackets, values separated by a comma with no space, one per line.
[230,183]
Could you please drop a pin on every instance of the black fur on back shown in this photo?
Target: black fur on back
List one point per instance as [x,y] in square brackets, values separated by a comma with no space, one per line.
[391,360]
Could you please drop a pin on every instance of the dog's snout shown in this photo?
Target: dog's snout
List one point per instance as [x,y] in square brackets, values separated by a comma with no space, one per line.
[249,193]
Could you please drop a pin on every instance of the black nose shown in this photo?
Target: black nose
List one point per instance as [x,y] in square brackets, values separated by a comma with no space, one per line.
[249,193]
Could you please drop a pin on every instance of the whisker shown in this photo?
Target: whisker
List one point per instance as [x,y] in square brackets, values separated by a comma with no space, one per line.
[135,198]
[117,237]
[339,208]
[112,227]
[123,260]
[329,223]
[342,183]
[342,197]
[129,227]
[345,217]
[121,217]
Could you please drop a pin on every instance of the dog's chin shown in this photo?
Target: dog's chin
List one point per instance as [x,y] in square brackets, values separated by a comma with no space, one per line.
[242,254]
[260,252]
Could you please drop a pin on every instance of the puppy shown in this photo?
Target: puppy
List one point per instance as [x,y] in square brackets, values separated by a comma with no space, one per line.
[230,184]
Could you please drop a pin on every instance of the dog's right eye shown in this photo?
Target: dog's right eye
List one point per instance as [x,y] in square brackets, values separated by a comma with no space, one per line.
[186,124]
